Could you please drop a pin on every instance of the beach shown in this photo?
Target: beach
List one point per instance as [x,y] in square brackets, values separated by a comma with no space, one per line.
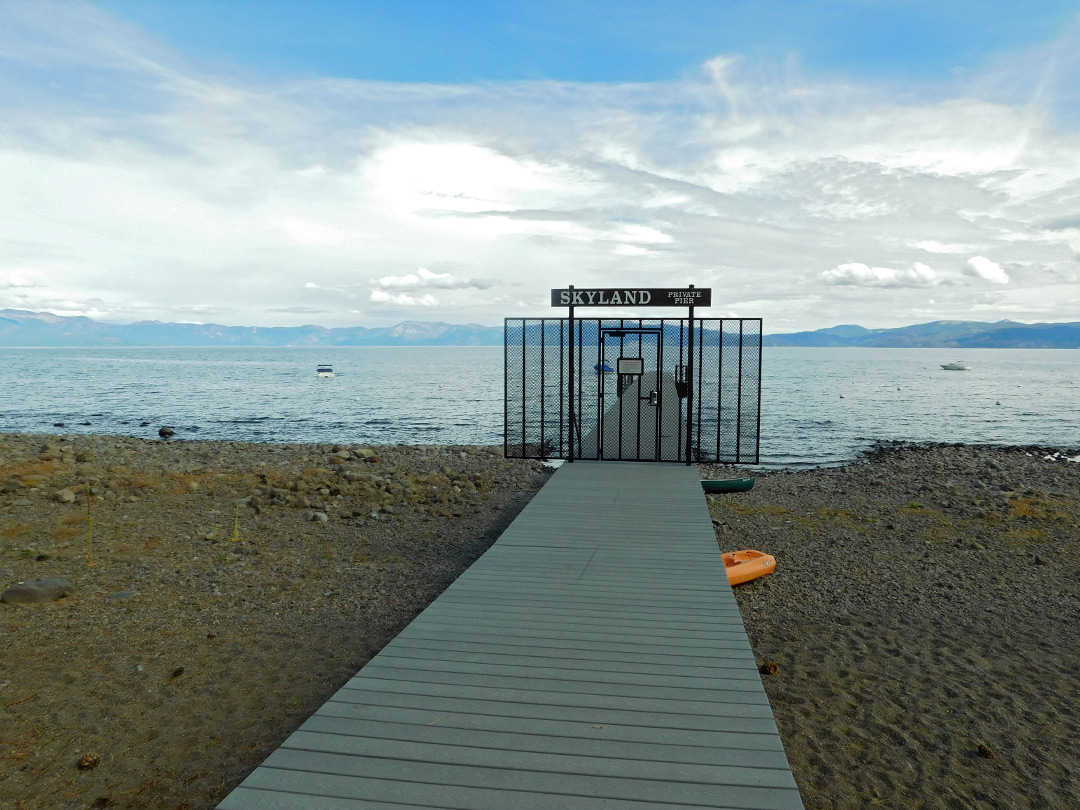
[918,640]
[234,588]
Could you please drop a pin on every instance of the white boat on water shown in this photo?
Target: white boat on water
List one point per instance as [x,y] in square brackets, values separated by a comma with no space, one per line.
[958,365]
[324,371]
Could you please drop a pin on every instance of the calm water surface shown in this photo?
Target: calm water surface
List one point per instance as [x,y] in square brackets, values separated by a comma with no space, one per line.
[820,406]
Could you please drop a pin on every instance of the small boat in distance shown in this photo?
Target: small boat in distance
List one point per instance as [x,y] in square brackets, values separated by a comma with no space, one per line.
[324,371]
[959,365]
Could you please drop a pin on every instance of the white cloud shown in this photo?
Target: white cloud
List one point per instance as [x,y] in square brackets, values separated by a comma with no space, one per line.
[456,177]
[643,234]
[403,299]
[425,278]
[181,187]
[933,246]
[981,267]
[861,275]
[14,279]
[421,278]
[309,232]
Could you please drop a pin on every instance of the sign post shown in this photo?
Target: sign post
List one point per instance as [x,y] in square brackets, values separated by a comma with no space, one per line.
[638,297]
[690,387]
[570,382]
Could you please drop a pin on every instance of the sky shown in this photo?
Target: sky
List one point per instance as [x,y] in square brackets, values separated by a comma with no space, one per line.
[355,163]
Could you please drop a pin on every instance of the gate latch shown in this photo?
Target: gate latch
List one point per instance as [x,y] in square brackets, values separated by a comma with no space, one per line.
[654,398]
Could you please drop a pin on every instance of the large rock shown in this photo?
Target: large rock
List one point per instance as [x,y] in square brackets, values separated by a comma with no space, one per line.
[36,590]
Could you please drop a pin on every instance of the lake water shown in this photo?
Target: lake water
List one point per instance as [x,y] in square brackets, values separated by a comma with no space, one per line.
[819,406]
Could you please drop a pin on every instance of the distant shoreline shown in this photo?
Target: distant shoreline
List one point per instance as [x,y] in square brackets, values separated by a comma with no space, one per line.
[875,452]
[766,345]
[27,329]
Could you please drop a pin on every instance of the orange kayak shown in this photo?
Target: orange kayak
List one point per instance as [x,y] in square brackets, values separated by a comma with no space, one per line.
[743,566]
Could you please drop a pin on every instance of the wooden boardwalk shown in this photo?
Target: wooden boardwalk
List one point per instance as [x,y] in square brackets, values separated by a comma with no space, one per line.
[594,657]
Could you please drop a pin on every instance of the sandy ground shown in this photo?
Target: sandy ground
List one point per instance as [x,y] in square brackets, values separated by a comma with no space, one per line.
[923,626]
[183,657]
[919,640]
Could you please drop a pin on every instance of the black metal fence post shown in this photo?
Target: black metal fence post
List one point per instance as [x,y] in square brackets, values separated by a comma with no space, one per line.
[690,386]
[570,399]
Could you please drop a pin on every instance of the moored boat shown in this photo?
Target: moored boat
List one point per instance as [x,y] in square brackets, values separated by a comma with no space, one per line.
[324,371]
[727,485]
[747,564]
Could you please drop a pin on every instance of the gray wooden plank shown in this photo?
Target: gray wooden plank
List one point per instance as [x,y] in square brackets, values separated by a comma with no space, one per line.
[355,794]
[547,679]
[496,755]
[494,650]
[248,798]
[634,713]
[683,704]
[576,744]
[715,641]
[550,671]
[605,617]
[746,735]
[627,624]
[585,601]
[441,775]
[720,594]
[643,647]
[569,597]
[413,657]
[464,611]
[614,589]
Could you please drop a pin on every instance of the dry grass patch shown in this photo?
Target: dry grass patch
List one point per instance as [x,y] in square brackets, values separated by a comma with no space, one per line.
[740,509]
[14,530]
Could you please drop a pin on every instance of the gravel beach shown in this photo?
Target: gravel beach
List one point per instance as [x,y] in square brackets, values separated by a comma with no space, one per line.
[919,640]
[234,588]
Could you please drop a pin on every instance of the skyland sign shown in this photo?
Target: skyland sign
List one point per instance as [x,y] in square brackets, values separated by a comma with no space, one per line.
[619,297]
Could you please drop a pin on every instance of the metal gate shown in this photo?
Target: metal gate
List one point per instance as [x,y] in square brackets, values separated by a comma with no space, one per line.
[631,389]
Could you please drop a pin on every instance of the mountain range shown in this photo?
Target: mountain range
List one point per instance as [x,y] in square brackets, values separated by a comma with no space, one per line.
[941,335]
[25,328]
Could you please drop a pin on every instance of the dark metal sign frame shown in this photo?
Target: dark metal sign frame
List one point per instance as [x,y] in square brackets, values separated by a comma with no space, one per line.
[631,296]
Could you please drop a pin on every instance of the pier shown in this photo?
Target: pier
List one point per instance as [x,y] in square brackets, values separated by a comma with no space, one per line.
[593,658]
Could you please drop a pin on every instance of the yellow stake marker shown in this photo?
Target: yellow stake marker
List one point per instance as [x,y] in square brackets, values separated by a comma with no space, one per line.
[89,531]
[236,526]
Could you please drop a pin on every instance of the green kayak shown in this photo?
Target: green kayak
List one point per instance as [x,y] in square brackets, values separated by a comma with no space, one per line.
[728,485]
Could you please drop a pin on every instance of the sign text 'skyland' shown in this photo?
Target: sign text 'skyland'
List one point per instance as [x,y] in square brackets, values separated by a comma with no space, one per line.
[620,297]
